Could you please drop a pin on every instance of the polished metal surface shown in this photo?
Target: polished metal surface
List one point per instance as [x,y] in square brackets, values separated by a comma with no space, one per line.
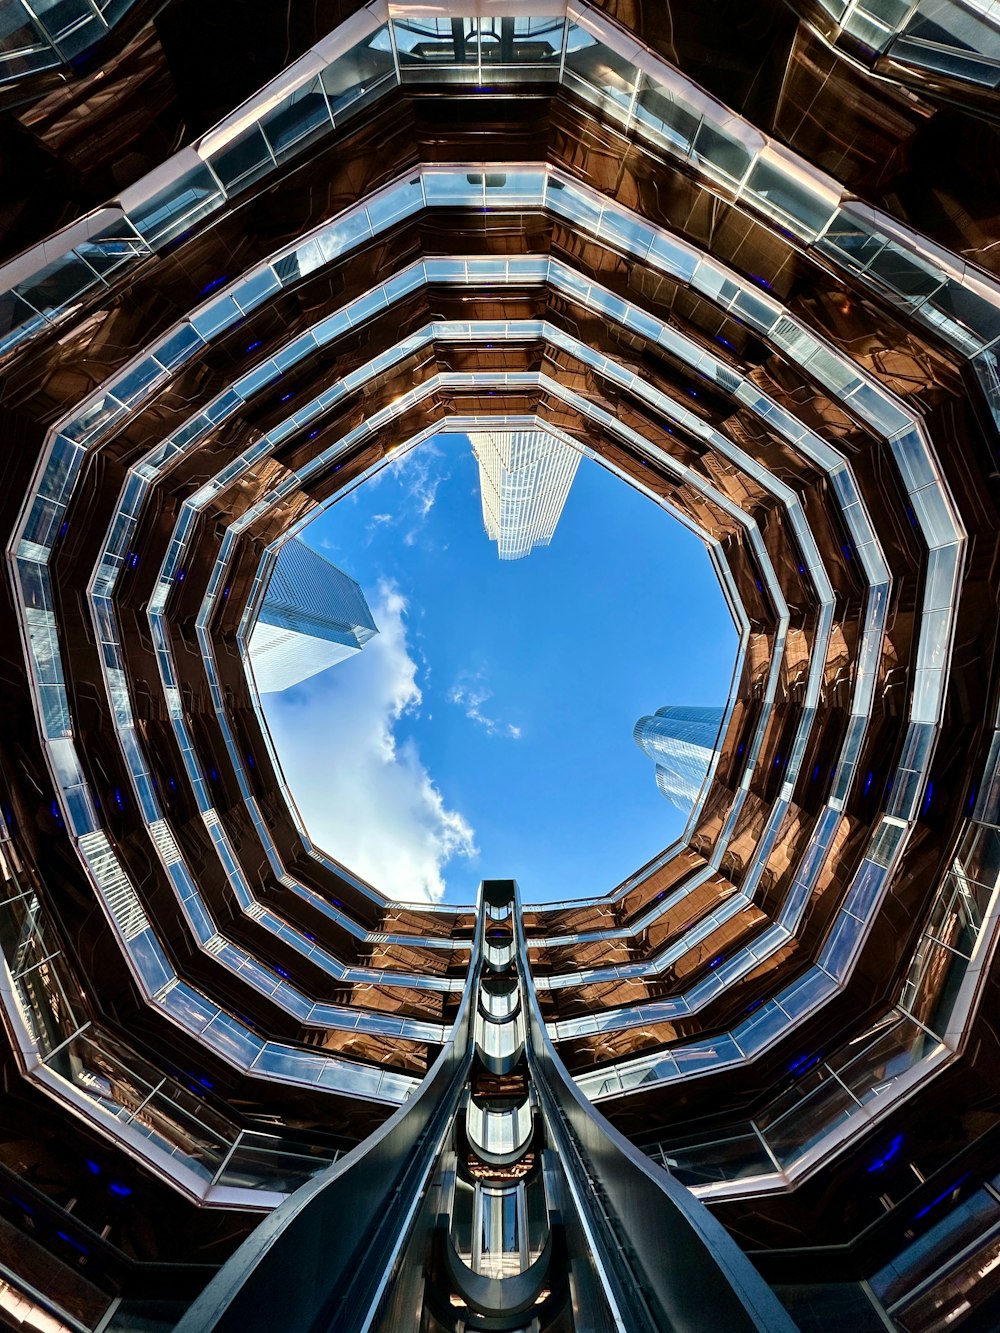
[746,258]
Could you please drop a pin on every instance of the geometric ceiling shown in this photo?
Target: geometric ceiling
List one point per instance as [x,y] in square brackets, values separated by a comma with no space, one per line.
[749,264]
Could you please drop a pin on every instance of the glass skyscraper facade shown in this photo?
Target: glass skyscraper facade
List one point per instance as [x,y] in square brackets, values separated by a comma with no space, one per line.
[746,256]
[312,616]
[524,480]
[681,741]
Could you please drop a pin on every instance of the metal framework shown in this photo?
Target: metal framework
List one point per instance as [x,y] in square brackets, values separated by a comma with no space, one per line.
[746,259]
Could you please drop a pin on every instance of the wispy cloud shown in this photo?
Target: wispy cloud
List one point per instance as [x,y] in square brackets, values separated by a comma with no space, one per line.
[365,796]
[419,472]
[470,693]
[419,476]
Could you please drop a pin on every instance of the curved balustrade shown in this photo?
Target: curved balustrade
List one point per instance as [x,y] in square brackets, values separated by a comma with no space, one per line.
[498,956]
[601,63]
[854,740]
[500,1137]
[834,456]
[499,1045]
[499,1005]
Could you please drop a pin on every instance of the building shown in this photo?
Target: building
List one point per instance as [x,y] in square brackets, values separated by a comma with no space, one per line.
[681,741]
[524,480]
[745,256]
[312,616]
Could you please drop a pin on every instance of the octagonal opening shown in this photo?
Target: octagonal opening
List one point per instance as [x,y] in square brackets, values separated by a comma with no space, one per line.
[485,698]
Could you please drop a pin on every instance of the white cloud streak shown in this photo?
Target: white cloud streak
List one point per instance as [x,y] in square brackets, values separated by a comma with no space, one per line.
[365,797]
[470,693]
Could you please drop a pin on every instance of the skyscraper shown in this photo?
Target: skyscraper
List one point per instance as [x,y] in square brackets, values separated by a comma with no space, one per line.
[312,615]
[681,742]
[524,479]
[746,255]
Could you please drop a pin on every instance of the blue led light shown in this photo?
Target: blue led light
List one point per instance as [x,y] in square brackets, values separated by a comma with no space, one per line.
[803,1064]
[122,1191]
[70,1241]
[211,286]
[887,1156]
[940,1198]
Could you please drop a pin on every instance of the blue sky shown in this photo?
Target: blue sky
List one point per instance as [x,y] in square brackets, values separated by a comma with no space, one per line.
[487,730]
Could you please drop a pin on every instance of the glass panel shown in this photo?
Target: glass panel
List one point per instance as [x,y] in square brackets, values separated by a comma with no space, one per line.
[179,206]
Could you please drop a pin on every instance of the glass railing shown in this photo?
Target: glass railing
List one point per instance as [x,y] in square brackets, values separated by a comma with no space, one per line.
[479,379]
[553,388]
[499,1133]
[843,1094]
[48,34]
[441,271]
[601,63]
[126,1098]
[863,547]
[76,799]
[499,1042]
[176,558]
[926,40]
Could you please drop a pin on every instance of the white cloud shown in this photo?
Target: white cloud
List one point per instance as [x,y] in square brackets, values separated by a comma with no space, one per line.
[366,798]
[419,472]
[470,693]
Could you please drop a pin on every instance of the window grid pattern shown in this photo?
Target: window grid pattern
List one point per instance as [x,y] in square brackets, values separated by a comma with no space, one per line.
[681,741]
[524,481]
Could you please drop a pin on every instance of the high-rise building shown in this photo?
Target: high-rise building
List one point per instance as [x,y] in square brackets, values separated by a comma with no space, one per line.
[524,479]
[681,741]
[746,255]
[312,615]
